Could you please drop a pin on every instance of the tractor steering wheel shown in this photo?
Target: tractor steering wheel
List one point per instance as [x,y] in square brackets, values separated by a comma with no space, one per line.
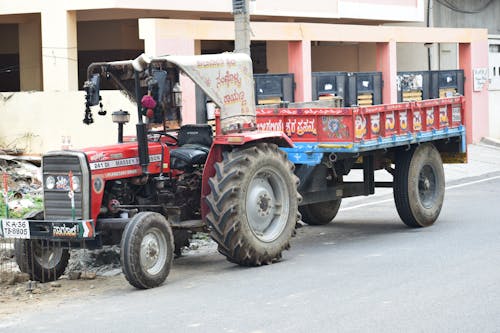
[162,133]
[171,137]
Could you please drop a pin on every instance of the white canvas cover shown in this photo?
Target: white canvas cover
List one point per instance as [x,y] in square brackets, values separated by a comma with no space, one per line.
[227,78]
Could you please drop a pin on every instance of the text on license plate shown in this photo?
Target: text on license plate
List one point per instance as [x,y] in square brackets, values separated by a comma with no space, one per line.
[15,228]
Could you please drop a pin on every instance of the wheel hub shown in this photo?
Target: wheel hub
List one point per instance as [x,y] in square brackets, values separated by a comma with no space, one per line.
[153,251]
[426,184]
[427,187]
[264,205]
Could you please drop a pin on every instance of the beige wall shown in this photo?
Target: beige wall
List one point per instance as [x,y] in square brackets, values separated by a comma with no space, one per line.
[59,50]
[311,8]
[277,56]
[109,35]
[335,58]
[367,59]
[30,55]
[39,120]
[391,10]
[411,57]
[448,56]
[359,57]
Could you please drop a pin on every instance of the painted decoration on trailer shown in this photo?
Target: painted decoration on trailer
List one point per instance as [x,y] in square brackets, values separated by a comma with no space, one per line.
[334,127]
[403,121]
[417,121]
[375,124]
[360,127]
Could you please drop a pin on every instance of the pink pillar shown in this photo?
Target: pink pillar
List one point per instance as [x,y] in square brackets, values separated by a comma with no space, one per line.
[299,63]
[474,55]
[387,64]
[156,46]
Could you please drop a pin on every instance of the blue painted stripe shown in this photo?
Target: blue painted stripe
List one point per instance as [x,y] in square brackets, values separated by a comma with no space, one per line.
[311,153]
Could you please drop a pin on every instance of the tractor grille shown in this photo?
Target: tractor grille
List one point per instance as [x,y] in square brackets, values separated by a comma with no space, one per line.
[57,203]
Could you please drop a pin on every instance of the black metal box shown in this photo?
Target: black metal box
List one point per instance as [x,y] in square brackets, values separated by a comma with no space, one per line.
[274,88]
[446,83]
[364,88]
[326,84]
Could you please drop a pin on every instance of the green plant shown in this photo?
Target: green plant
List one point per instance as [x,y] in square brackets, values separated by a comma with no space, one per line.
[19,213]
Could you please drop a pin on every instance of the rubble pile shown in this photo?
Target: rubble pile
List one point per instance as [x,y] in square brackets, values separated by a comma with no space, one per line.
[24,181]
[104,262]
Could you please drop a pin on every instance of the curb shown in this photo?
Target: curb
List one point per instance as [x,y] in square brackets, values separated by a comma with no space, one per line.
[491,141]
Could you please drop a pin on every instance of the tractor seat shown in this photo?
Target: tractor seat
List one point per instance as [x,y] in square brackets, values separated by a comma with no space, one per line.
[194,143]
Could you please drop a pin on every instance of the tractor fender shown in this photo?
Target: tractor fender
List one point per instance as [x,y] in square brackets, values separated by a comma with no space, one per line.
[222,143]
[240,139]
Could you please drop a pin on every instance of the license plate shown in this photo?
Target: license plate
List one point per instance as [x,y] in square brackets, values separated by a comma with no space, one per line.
[15,229]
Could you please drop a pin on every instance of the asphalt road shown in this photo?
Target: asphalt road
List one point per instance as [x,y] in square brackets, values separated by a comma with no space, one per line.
[365,272]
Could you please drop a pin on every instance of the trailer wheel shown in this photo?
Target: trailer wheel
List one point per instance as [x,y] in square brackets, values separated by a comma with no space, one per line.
[147,249]
[43,260]
[419,185]
[253,204]
[320,213]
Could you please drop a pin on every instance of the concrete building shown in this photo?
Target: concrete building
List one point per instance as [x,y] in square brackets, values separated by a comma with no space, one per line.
[46,47]
[472,14]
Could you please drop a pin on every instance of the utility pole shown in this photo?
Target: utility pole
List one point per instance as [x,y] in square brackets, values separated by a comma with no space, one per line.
[241,14]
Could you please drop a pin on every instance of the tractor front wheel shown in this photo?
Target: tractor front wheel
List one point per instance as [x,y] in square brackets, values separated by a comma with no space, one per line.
[253,204]
[147,249]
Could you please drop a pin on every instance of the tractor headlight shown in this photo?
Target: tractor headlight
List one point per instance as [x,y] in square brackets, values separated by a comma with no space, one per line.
[76,184]
[50,182]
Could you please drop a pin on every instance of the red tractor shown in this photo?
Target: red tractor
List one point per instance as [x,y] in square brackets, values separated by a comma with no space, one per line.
[150,194]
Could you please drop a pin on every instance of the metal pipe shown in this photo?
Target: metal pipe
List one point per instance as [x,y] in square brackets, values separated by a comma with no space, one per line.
[120,133]
[138,95]
[142,132]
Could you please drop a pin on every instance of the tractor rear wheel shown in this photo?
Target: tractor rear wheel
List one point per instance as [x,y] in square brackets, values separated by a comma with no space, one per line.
[43,260]
[253,204]
[419,185]
[147,249]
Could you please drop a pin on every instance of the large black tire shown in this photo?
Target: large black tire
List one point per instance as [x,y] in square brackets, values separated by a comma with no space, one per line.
[253,204]
[147,250]
[320,213]
[419,185]
[44,261]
